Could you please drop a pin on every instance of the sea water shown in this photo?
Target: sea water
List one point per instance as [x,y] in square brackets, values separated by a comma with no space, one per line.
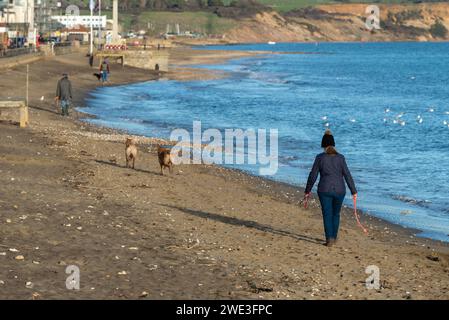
[387,105]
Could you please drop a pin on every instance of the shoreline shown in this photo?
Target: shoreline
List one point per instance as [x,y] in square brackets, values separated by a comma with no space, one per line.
[347,211]
[175,222]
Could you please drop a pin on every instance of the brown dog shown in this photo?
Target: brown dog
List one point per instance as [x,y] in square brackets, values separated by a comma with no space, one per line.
[130,152]
[164,159]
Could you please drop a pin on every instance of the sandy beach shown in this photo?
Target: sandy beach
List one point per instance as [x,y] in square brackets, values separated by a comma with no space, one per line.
[204,232]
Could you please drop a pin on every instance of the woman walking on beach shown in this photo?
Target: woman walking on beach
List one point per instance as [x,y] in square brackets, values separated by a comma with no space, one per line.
[332,168]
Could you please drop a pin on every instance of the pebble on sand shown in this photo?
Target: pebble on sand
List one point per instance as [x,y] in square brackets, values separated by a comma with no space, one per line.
[433,257]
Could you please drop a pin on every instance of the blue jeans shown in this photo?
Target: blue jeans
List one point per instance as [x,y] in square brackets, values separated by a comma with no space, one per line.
[65,107]
[331,203]
[104,76]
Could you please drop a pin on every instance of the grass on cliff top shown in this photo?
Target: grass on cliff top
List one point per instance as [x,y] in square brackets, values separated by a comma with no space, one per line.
[201,22]
[207,22]
[288,5]
[156,21]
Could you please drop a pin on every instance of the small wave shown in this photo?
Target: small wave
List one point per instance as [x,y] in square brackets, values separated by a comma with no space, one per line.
[144,96]
[287,159]
[418,202]
[133,120]
[299,83]
[266,77]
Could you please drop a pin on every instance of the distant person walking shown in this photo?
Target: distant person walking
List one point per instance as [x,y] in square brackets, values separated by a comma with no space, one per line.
[64,94]
[104,70]
[332,168]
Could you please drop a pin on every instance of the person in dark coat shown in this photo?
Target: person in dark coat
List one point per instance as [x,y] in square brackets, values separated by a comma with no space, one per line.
[64,94]
[333,171]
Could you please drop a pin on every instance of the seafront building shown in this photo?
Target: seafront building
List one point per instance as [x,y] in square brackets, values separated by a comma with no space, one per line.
[17,24]
[17,12]
[76,21]
[31,27]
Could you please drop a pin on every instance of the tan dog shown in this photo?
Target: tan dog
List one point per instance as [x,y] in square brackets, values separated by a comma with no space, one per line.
[164,159]
[130,152]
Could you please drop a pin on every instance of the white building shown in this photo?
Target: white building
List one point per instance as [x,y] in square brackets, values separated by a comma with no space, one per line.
[72,21]
[17,19]
[17,11]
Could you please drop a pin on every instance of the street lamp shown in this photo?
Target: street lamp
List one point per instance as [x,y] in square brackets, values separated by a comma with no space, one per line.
[59,5]
[91,7]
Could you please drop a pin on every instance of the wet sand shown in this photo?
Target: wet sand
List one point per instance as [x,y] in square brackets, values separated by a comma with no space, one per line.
[203,232]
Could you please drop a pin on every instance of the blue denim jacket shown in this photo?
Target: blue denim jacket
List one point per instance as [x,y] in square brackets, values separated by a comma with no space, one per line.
[332,169]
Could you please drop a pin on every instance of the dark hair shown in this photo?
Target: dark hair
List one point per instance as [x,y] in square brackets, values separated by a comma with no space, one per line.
[328,139]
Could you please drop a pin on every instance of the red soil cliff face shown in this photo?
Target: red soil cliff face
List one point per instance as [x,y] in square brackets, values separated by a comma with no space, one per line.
[344,22]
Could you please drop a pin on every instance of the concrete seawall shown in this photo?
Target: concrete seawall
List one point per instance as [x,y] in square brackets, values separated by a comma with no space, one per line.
[147,59]
[44,51]
[7,63]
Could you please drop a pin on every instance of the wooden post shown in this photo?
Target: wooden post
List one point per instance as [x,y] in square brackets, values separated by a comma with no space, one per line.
[27,84]
[24,109]
[23,116]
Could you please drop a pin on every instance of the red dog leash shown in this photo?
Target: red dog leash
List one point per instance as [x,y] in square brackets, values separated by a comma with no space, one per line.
[354,198]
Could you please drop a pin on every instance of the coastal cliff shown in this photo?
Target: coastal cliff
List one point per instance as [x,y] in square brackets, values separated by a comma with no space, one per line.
[345,22]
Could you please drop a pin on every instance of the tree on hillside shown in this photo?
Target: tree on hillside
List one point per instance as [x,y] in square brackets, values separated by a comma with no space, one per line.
[143,4]
[124,5]
[244,3]
[202,3]
[215,3]
[438,30]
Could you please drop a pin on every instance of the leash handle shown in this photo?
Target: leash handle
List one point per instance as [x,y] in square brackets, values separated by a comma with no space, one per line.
[354,199]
